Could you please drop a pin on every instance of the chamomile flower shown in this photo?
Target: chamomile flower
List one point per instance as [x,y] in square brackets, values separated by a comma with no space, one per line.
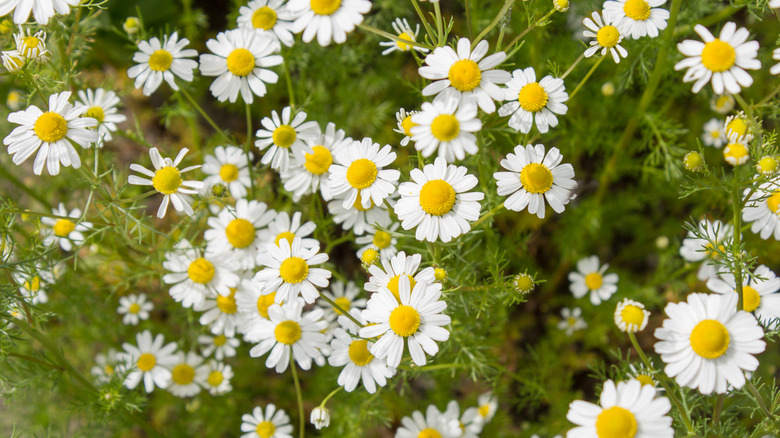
[42,10]
[345,295]
[762,209]
[14,99]
[534,177]
[438,203]
[135,308]
[13,61]
[644,375]
[467,73]
[329,20]
[404,32]
[433,424]
[166,179]
[229,166]
[215,377]
[286,137]
[252,304]
[33,283]
[572,320]
[101,105]
[533,102]
[50,133]
[196,276]
[221,346]
[759,293]
[312,173]
[774,4]
[271,16]
[284,227]
[183,370]
[379,240]
[721,60]
[240,60]
[65,232]
[607,37]
[696,248]
[707,343]
[736,153]
[470,423]
[627,409]
[415,320]
[288,271]
[712,134]
[105,366]
[220,313]
[775,69]
[31,46]
[236,231]
[487,406]
[273,423]
[631,316]
[162,61]
[405,125]
[286,330]
[359,170]
[589,277]
[736,128]
[637,18]
[149,361]
[354,355]
[723,103]
[447,127]
[389,274]
[320,417]
[356,218]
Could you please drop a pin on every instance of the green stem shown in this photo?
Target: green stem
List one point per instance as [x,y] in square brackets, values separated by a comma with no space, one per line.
[468,18]
[420,14]
[759,399]
[299,396]
[718,409]
[340,310]
[38,361]
[587,76]
[332,393]
[487,215]
[439,27]
[574,64]
[34,83]
[380,32]
[507,4]
[208,119]
[248,148]
[40,214]
[769,97]
[288,78]
[710,19]
[528,29]
[736,201]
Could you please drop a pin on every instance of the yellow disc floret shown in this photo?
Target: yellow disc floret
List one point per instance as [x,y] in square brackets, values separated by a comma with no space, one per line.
[325,7]
[167,180]
[288,332]
[382,239]
[264,18]
[51,127]
[637,10]
[633,316]
[286,235]
[404,320]
[227,304]
[408,124]
[134,308]
[228,172]
[767,165]
[536,178]
[445,127]
[608,36]
[294,270]
[146,362]
[160,60]
[215,378]
[718,55]
[63,227]
[319,162]
[773,202]
[393,285]
[362,173]
[644,379]
[616,422]
[241,62]
[96,113]
[284,136]
[465,75]
[593,280]
[437,197]
[183,374]
[532,97]
[344,303]
[736,154]
[265,429]
[220,340]
[369,257]
[750,299]
[403,46]
[264,302]
[201,271]
[358,353]
[240,233]
[429,433]
[710,339]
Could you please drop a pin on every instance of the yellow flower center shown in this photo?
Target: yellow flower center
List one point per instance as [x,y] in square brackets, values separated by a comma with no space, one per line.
[523,283]
[593,280]
[393,285]
[63,227]
[571,321]
[264,302]
[737,125]
[536,178]
[404,320]
[29,44]
[294,270]
[403,46]
[215,378]
[445,127]
[644,379]
[429,433]
[767,165]
[637,10]
[382,239]
[241,62]
[369,256]
[608,36]
[288,332]
[632,314]
[319,162]
[183,374]
[265,429]
[240,233]
[96,113]
[358,353]
[33,286]
[359,204]
[773,202]
[344,303]
[465,75]
[616,422]
[51,127]
[228,172]
[284,136]
[160,60]
[722,101]
[408,124]
[532,97]
[220,340]
[750,299]
[167,180]
[362,173]
[325,7]
[285,235]
[108,369]
[736,151]
[227,304]
[484,410]
[201,271]
[710,339]
[718,55]
[146,362]
[134,308]
[439,274]
[264,18]
[437,197]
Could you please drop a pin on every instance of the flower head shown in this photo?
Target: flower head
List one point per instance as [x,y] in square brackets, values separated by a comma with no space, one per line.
[166,179]
[158,61]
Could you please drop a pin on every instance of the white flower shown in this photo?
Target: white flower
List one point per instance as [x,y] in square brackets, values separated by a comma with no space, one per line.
[236,231]
[446,125]
[34,282]
[405,124]
[286,138]
[359,172]
[534,177]
[183,370]
[240,59]
[774,4]
[66,232]
[572,320]
[626,410]
[759,293]
[166,179]
[775,69]
[252,304]
[101,105]
[312,173]
[42,10]
[762,209]
[105,366]
[532,101]
[320,417]
[357,218]
[722,60]
[379,240]
[631,316]
[607,37]
[589,277]
[467,73]
[736,128]
[437,201]
[148,361]
[696,249]
[433,424]
[31,46]
[712,133]
[215,377]
[287,330]
[288,270]
[736,153]
[196,276]
[707,343]
[13,61]
[391,271]
[415,320]
[327,19]
[271,16]
[229,166]
[404,32]
[722,104]
[487,406]
[219,313]
[50,133]
[637,18]
[274,423]
[221,346]
[283,227]
[135,308]
[162,61]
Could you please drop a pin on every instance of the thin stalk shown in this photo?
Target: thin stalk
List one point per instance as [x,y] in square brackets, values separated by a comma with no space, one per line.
[301,419]
[208,119]
[507,4]
[718,409]
[38,361]
[769,96]
[468,19]
[340,310]
[248,148]
[332,393]
[587,76]
[34,83]
[759,399]
[288,78]
[380,32]
[574,64]
[487,215]
[41,214]
[736,201]
[424,20]
[529,28]
[439,27]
